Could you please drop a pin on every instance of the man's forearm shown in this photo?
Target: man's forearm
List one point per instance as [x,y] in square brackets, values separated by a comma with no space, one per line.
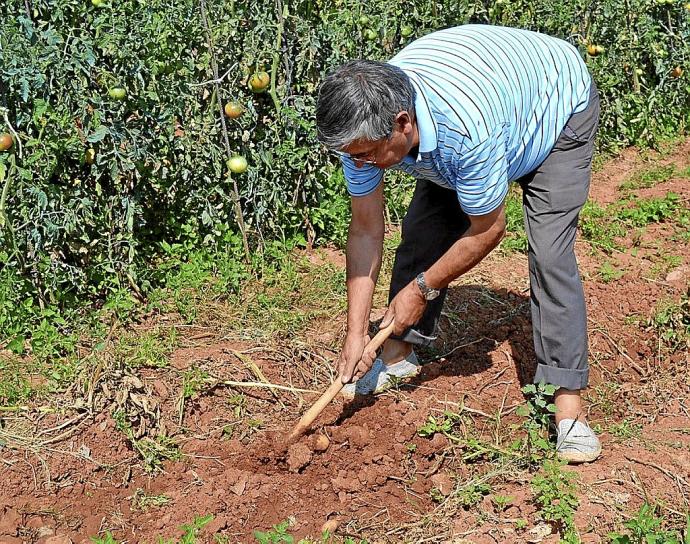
[462,256]
[364,252]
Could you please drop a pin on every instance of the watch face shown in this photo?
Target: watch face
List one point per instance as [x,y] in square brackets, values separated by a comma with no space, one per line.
[432,294]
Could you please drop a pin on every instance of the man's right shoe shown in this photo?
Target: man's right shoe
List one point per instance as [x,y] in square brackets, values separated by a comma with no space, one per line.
[576,442]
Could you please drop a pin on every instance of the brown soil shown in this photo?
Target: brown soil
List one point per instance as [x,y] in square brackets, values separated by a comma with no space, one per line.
[376,474]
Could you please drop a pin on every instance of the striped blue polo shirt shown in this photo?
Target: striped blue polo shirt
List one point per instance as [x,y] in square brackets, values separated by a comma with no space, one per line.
[491,103]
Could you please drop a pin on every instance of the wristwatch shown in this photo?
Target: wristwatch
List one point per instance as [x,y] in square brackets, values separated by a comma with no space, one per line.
[427,292]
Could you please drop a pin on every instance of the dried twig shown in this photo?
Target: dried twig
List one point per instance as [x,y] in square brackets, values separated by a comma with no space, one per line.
[620,350]
[675,477]
[267,385]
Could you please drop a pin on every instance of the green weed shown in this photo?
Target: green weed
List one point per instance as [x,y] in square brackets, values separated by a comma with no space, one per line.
[143,501]
[537,411]
[279,533]
[433,425]
[472,494]
[606,395]
[516,237]
[672,323]
[191,531]
[650,177]
[626,429]
[193,382]
[151,348]
[153,452]
[15,386]
[555,494]
[502,501]
[665,263]
[106,539]
[646,528]
[642,212]
[608,272]
[596,227]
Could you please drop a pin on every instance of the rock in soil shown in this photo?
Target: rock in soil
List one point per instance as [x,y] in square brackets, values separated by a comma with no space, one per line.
[331,526]
[321,443]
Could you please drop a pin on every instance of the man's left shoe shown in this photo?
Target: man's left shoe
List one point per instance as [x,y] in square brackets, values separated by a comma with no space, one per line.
[576,442]
[378,377]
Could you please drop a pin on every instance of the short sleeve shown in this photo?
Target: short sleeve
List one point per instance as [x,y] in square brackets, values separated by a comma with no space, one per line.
[360,181]
[481,175]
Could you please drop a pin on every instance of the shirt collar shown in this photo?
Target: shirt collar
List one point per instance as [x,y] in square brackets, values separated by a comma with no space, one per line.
[426,125]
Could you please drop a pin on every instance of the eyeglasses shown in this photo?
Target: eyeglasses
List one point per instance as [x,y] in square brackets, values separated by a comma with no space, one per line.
[343,154]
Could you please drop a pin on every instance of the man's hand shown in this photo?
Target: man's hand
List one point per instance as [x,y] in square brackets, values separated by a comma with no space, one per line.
[353,362]
[406,308]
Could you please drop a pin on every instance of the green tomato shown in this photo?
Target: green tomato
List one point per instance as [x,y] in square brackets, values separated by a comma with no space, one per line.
[406,31]
[90,156]
[117,93]
[371,35]
[364,20]
[237,164]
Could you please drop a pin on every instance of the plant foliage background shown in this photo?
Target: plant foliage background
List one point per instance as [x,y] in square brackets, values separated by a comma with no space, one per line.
[74,232]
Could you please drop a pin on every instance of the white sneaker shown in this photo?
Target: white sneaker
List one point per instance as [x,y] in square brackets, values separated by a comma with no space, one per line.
[378,377]
[576,442]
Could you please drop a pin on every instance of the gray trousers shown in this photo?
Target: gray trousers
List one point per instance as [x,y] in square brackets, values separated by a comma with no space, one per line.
[553,196]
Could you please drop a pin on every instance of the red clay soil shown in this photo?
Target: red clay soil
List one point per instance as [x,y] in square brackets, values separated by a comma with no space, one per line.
[376,473]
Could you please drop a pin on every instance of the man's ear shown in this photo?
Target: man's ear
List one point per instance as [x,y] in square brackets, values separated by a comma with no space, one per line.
[404,122]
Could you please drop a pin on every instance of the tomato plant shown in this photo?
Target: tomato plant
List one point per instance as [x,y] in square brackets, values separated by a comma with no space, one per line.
[122,121]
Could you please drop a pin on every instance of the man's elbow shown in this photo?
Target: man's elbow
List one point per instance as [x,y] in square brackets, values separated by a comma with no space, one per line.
[497,232]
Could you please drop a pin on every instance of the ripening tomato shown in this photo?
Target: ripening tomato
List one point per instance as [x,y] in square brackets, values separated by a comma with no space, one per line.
[259,82]
[234,109]
[6,141]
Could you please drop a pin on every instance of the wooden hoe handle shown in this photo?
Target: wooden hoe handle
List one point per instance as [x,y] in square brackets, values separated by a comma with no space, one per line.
[330,393]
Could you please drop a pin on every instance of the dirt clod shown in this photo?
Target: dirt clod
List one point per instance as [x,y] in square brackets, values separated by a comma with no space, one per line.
[443,482]
[299,456]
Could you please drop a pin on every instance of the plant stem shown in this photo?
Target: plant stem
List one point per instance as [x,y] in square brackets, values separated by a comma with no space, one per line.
[282,13]
[239,217]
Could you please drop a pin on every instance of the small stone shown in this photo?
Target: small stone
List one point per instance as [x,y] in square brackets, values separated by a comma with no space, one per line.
[44,531]
[539,532]
[331,526]
[58,539]
[321,443]
[677,274]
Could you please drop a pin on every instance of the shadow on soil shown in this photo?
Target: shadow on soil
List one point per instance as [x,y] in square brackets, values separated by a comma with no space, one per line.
[476,320]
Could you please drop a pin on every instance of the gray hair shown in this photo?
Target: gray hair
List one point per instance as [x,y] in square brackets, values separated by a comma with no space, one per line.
[359,101]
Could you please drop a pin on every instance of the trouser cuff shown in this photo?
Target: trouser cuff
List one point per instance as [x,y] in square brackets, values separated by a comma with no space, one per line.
[562,377]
